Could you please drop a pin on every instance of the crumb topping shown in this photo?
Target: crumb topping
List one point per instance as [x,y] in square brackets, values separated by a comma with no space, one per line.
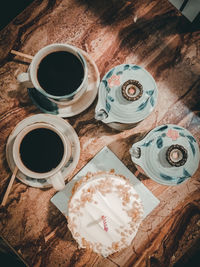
[104,195]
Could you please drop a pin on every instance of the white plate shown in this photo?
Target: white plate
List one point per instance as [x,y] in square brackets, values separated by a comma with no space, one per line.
[106,160]
[46,106]
[64,127]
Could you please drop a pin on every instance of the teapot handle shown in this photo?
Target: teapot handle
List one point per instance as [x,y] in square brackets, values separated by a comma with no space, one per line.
[102,115]
[136,153]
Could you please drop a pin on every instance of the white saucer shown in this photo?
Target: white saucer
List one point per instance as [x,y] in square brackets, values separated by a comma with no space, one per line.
[64,127]
[46,106]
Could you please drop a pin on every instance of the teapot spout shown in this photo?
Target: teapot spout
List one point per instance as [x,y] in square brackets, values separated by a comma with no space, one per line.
[101,115]
[135,152]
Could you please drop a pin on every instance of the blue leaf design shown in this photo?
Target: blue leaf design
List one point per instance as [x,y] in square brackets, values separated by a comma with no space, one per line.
[182,134]
[146,144]
[32,179]
[69,162]
[181,179]
[191,138]
[42,181]
[110,98]
[186,173]
[159,142]
[143,105]
[126,67]
[163,134]
[105,83]
[150,92]
[178,128]
[193,148]
[119,72]
[185,176]
[161,128]
[166,177]
[108,89]
[108,106]
[136,67]
[152,101]
[110,73]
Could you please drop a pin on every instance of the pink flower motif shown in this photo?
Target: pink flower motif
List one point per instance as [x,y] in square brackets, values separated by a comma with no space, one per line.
[114,80]
[173,134]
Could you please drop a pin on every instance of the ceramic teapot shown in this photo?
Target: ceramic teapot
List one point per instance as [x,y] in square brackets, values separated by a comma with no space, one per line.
[168,154]
[127,95]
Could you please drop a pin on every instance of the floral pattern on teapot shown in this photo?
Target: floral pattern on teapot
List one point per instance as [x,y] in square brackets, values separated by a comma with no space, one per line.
[150,154]
[114,78]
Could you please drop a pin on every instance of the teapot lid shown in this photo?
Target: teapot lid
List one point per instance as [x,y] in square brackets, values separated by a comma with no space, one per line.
[127,94]
[168,154]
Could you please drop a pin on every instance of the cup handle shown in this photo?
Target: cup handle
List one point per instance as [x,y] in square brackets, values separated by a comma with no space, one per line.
[25,79]
[57,181]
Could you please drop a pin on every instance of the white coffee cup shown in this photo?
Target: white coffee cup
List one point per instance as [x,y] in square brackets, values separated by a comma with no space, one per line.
[30,79]
[55,174]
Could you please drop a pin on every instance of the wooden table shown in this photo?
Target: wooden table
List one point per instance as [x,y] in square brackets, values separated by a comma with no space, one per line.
[151,34]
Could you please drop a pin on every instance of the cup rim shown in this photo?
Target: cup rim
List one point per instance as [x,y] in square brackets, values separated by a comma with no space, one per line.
[16,151]
[42,53]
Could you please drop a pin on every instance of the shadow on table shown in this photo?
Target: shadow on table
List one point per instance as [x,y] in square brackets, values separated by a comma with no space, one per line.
[155,33]
[58,223]
[160,37]
[124,144]
[8,256]
[110,11]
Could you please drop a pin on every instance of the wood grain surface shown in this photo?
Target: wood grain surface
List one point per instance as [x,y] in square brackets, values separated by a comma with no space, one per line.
[152,34]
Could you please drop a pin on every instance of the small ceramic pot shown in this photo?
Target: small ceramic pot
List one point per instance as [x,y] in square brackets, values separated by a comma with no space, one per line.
[168,154]
[127,95]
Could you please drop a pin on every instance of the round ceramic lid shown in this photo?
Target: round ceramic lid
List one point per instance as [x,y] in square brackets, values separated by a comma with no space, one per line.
[154,150]
[127,93]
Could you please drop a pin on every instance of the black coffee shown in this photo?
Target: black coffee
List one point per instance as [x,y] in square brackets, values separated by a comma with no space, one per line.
[60,73]
[41,150]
